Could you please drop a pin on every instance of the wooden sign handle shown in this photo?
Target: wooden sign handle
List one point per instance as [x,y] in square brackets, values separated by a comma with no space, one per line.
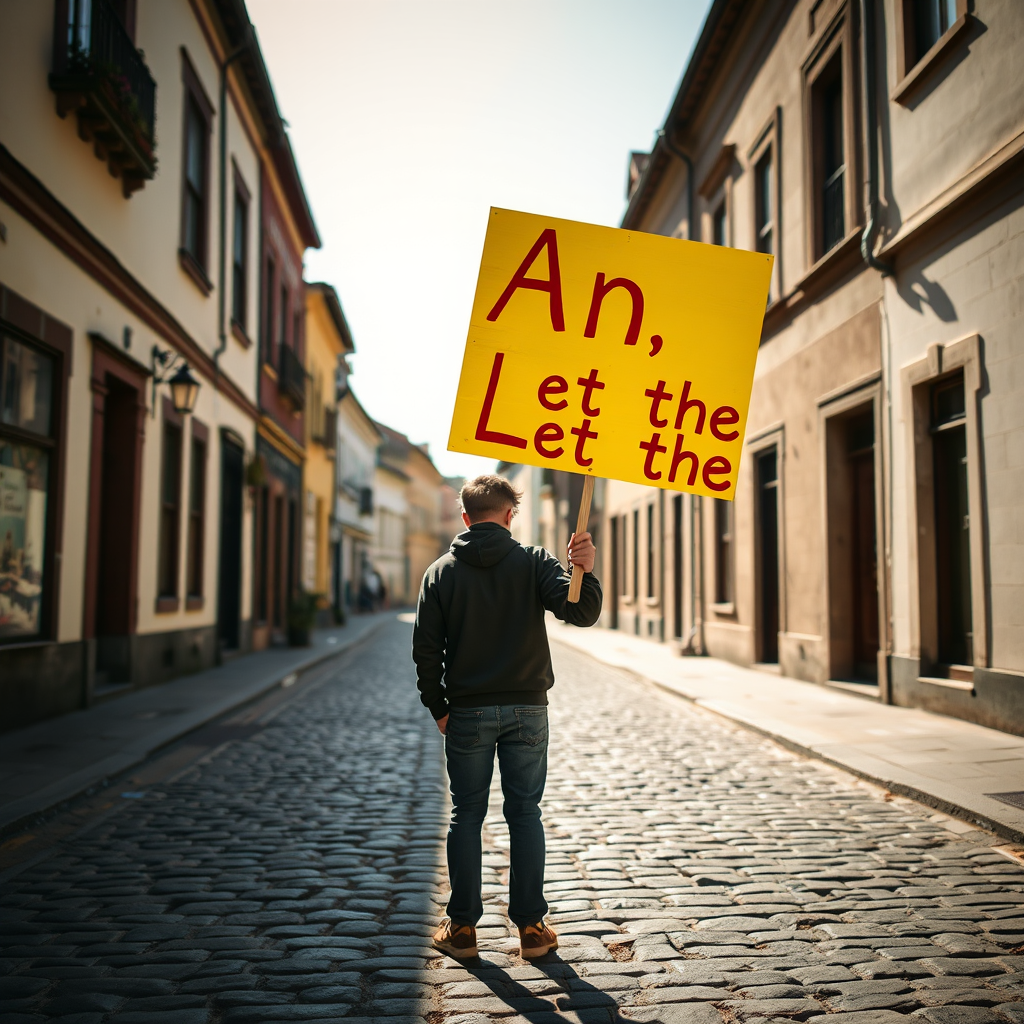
[582,520]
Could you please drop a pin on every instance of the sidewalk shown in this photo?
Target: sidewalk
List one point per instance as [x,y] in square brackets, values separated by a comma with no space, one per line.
[945,763]
[52,761]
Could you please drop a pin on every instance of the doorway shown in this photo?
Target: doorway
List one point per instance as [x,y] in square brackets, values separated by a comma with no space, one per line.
[767,473]
[615,572]
[229,575]
[115,473]
[952,524]
[852,546]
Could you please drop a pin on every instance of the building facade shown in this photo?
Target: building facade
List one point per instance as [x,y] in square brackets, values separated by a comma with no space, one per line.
[130,205]
[872,542]
[328,343]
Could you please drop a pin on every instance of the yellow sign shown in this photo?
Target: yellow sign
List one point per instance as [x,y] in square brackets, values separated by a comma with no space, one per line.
[612,352]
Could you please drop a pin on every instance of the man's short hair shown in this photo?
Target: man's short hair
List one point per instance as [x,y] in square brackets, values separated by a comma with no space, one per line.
[488,494]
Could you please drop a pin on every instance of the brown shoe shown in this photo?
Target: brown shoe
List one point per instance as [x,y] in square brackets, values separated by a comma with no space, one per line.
[537,939]
[457,940]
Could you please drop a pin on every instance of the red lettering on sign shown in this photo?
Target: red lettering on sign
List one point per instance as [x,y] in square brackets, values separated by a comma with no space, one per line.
[636,314]
[652,448]
[677,456]
[724,414]
[716,466]
[686,403]
[657,396]
[590,384]
[552,386]
[583,434]
[483,433]
[548,432]
[553,284]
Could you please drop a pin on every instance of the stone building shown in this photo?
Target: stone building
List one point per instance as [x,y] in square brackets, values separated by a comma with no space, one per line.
[143,188]
[408,494]
[875,148]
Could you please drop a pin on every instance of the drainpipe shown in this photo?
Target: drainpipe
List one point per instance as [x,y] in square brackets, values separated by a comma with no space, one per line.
[222,333]
[868,72]
[867,240]
[695,598]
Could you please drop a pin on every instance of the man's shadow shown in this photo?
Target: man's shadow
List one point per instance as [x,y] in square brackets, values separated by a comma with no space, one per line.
[576,995]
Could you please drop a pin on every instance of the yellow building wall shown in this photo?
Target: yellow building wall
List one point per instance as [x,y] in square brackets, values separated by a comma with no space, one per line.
[322,350]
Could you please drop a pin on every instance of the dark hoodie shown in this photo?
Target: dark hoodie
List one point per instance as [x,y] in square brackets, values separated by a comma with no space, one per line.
[479,637]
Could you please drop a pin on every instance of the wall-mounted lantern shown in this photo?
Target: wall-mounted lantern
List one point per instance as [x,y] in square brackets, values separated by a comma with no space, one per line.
[184,387]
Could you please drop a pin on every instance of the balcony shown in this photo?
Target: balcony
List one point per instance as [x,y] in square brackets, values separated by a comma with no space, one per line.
[100,76]
[291,378]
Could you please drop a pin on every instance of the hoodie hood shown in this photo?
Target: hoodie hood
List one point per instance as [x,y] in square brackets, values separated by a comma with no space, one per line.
[483,545]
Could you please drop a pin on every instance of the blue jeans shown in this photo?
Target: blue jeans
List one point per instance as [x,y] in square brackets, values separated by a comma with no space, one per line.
[519,733]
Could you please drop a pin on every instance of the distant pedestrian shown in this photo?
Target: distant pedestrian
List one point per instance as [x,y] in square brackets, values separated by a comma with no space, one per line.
[483,671]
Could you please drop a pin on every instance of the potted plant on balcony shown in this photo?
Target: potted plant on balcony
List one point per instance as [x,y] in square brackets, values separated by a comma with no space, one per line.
[302,619]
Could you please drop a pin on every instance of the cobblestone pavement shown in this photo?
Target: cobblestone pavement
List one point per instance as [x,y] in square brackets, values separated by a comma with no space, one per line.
[697,873]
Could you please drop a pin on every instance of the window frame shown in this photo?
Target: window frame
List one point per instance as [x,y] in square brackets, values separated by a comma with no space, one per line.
[837,38]
[242,200]
[169,599]
[911,73]
[194,98]
[725,558]
[195,532]
[652,590]
[917,379]
[30,326]
[769,143]
[268,311]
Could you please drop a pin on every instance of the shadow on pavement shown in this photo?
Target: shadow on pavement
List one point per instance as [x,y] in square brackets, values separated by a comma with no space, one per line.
[576,995]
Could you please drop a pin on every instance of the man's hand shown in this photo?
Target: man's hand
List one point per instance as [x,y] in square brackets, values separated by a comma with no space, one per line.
[582,551]
[442,724]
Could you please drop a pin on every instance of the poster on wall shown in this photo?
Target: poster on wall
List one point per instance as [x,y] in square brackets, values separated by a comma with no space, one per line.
[22,532]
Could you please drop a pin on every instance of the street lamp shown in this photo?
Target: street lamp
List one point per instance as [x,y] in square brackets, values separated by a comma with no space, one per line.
[184,387]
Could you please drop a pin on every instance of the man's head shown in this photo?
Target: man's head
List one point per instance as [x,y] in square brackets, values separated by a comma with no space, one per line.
[489,499]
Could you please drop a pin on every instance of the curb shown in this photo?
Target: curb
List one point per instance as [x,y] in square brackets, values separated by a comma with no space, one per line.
[896,788]
[22,813]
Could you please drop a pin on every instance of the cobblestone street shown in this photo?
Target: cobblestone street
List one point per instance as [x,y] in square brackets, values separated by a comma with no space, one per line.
[697,873]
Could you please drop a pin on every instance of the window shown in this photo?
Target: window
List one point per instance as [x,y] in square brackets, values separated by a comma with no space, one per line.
[926,30]
[636,554]
[282,327]
[719,225]
[724,571]
[269,284]
[623,557]
[764,218]
[196,516]
[931,19]
[195,180]
[263,555]
[26,457]
[650,550]
[194,242]
[240,256]
[948,428]
[170,513]
[830,179]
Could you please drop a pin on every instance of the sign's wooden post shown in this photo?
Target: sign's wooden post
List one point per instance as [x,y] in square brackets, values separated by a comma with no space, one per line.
[582,520]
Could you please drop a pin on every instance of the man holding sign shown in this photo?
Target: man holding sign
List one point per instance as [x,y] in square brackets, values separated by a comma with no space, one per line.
[597,351]
[483,670]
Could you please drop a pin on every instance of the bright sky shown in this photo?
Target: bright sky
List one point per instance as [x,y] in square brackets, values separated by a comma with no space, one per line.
[410,118]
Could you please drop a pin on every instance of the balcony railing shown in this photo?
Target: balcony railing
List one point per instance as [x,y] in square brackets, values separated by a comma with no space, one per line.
[833,217]
[100,75]
[291,377]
